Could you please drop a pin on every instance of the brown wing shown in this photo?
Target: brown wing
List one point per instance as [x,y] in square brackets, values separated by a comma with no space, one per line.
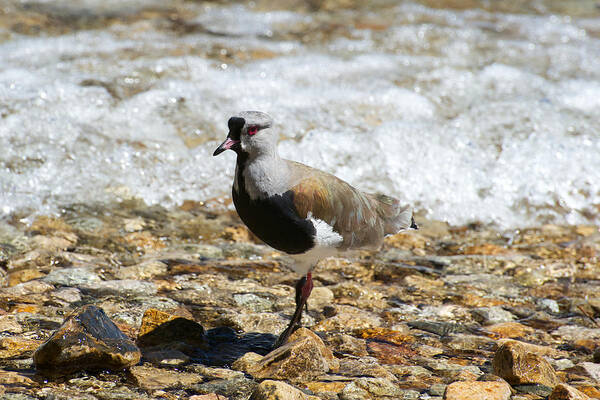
[358,217]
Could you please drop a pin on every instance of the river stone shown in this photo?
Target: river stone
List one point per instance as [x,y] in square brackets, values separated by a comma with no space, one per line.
[475,390]
[275,390]
[73,277]
[513,362]
[492,315]
[87,340]
[149,378]
[367,388]
[124,287]
[566,392]
[588,369]
[305,356]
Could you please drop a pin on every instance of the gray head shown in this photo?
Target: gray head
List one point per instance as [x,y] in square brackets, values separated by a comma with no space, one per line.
[249,133]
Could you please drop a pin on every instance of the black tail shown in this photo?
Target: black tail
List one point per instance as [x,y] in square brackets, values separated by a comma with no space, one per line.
[413,224]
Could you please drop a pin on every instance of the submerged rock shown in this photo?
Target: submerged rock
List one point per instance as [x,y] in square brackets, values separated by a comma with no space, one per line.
[87,340]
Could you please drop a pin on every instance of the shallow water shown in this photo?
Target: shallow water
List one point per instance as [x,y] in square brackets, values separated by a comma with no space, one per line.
[469,113]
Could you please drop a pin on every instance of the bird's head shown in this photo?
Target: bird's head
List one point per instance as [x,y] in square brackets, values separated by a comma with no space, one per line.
[249,133]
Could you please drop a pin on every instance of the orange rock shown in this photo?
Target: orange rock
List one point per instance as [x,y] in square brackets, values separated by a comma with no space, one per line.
[407,241]
[24,275]
[391,354]
[17,346]
[514,362]
[144,240]
[386,335]
[326,387]
[486,249]
[510,329]
[476,390]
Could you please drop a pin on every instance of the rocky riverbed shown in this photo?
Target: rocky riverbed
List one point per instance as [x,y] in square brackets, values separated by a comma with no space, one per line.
[135,302]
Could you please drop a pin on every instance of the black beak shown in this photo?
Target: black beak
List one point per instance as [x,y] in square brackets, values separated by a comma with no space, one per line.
[226,145]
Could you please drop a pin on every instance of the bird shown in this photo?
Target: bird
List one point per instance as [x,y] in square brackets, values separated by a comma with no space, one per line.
[302,211]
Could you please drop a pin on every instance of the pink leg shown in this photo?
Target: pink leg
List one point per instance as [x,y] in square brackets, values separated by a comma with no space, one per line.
[303,289]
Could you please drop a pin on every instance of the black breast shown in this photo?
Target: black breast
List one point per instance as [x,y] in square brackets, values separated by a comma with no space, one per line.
[274,219]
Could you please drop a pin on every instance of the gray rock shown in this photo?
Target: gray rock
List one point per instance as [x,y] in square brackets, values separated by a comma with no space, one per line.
[252,302]
[75,277]
[124,288]
[492,315]
[365,388]
[66,295]
[233,389]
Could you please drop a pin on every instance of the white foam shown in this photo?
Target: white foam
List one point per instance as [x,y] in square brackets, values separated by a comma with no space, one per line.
[467,115]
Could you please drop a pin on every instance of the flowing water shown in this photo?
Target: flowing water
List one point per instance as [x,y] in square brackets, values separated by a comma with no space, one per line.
[472,111]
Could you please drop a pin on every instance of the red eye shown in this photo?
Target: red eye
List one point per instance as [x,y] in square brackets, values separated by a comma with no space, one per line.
[252,130]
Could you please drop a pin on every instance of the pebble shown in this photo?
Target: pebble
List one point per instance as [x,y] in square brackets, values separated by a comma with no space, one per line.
[275,390]
[476,390]
[492,315]
[365,388]
[73,277]
[87,340]
[150,378]
[124,288]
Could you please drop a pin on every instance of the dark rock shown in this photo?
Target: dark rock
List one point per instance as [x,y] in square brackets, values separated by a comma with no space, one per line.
[439,328]
[534,388]
[87,340]
[170,331]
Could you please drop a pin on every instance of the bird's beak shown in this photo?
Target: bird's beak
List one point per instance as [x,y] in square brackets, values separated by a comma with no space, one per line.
[227,144]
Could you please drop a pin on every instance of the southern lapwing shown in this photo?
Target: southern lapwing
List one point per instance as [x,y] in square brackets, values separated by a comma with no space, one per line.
[299,210]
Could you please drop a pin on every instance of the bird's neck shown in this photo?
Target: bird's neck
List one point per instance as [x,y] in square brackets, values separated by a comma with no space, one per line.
[260,174]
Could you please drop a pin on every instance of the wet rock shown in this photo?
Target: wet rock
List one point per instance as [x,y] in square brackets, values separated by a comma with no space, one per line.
[513,362]
[263,322]
[346,344]
[367,388]
[66,295]
[237,388]
[274,390]
[252,302]
[168,331]
[149,378]
[146,270]
[534,389]
[166,357]
[510,329]
[305,356]
[566,392]
[476,390]
[12,378]
[74,277]
[364,366]
[348,318]
[87,340]
[588,369]
[124,288]
[320,297]
[17,347]
[10,324]
[492,315]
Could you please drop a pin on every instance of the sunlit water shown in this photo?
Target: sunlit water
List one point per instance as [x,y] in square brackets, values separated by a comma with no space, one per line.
[470,115]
